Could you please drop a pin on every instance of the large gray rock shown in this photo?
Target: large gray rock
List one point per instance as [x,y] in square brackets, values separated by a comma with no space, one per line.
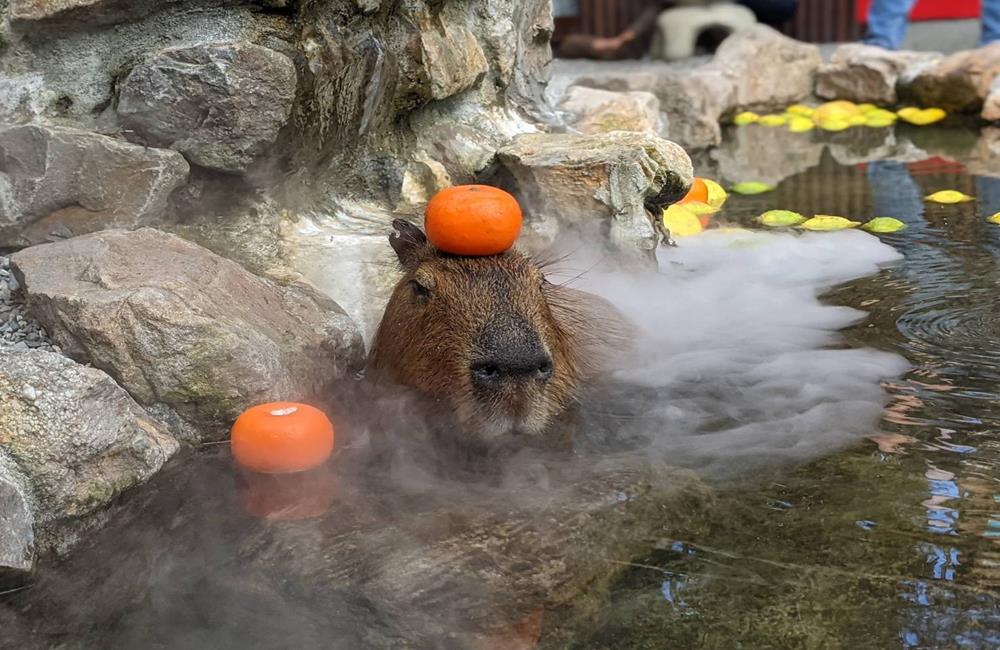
[959,83]
[597,182]
[768,69]
[94,11]
[17,535]
[866,73]
[69,181]
[692,100]
[179,326]
[220,105]
[77,437]
[452,59]
[592,110]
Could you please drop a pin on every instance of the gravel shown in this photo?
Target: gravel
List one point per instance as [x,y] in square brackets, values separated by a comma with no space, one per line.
[16,329]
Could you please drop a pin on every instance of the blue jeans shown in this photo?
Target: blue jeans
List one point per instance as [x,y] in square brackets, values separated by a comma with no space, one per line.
[887,20]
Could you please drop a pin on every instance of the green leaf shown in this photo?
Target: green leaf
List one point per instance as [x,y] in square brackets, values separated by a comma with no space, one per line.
[827,222]
[780,218]
[949,196]
[751,187]
[884,225]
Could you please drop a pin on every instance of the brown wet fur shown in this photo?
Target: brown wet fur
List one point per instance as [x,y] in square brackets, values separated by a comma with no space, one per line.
[432,333]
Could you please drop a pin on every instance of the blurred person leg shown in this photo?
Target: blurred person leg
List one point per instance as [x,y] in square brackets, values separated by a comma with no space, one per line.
[991,22]
[894,192]
[988,195]
[887,22]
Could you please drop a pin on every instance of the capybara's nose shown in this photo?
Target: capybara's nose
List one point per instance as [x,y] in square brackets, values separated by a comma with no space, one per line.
[492,370]
[508,349]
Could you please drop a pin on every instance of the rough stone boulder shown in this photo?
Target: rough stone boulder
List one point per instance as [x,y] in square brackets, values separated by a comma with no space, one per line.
[75,436]
[17,537]
[866,73]
[220,105]
[592,110]
[91,11]
[768,70]
[597,182]
[69,181]
[452,59]
[692,100]
[958,83]
[181,327]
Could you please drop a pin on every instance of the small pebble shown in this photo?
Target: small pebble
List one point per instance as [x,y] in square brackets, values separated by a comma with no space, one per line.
[16,330]
[29,393]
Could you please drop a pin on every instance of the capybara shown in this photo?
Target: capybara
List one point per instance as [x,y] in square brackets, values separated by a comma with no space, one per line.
[490,340]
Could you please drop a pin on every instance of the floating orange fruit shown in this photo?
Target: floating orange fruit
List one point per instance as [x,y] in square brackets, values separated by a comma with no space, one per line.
[282,437]
[698,192]
[472,220]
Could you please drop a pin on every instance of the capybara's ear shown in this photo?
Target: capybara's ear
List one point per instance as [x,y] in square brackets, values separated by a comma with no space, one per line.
[408,241]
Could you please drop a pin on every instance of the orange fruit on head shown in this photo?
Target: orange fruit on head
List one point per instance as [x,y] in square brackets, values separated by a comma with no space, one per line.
[472,220]
[282,437]
[698,192]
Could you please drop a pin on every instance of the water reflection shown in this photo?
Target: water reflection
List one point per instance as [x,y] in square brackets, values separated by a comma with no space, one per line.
[891,545]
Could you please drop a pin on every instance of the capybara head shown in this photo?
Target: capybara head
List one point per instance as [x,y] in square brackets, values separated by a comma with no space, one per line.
[489,338]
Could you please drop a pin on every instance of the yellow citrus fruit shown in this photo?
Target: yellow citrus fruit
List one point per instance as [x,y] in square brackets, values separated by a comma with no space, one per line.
[716,195]
[884,225]
[800,109]
[829,222]
[746,117]
[751,187]
[772,120]
[923,117]
[834,125]
[681,222]
[836,110]
[799,124]
[780,218]
[949,196]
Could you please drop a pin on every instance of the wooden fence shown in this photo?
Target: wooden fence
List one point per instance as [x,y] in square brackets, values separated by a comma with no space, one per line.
[816,21]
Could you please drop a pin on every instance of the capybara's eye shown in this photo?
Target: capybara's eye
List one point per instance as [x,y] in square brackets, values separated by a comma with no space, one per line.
[419,289]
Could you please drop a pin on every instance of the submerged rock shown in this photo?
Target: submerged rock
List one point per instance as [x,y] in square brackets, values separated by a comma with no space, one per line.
[62,181]
[597,182]
[959,83]
[866,73]
[592,111]
[180,326]
[75,436]
[220,105]
[438,565]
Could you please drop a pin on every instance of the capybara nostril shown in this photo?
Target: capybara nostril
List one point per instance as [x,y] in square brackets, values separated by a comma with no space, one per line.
[545,369]
[513,366]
